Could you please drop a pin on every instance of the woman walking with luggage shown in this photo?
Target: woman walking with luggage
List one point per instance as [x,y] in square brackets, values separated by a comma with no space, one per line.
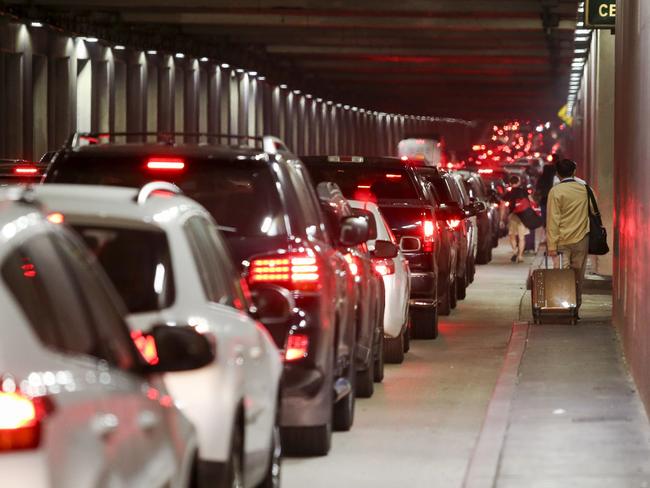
[517,231]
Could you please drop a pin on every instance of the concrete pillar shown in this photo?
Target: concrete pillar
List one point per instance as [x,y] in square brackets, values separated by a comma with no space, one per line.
[602,157]
[215,94]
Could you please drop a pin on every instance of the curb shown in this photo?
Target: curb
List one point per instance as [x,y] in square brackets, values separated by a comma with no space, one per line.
[483,466]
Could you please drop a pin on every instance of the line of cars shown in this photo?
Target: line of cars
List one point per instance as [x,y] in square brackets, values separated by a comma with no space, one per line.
[262,293]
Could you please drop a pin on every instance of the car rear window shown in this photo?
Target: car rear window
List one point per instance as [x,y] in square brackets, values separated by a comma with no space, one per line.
[367,183]
[241,196]
[138,262]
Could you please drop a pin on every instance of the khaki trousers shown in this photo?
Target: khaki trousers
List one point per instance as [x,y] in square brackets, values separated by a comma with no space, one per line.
[575,256]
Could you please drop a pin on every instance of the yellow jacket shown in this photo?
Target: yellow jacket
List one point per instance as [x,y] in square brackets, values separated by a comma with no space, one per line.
[567,214]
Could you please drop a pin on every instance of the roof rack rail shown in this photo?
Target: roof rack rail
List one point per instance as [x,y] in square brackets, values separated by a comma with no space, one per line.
[269,144]
[156,186]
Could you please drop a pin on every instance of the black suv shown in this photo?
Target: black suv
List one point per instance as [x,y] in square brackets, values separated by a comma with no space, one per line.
[369,292]
[409,210]
[265,205]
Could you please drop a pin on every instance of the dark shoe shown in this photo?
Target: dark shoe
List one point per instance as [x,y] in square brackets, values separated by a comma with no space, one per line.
[513,259]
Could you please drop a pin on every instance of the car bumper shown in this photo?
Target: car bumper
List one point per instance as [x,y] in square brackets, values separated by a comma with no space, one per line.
[423,290]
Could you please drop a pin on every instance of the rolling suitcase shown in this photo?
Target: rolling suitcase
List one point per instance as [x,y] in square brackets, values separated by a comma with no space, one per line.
[554,295]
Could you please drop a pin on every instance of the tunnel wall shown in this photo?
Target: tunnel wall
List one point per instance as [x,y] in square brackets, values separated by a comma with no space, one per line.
[52,84]
[632,188]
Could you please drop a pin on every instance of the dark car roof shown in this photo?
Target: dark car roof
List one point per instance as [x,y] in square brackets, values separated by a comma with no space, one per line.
[149,149]
[377,161]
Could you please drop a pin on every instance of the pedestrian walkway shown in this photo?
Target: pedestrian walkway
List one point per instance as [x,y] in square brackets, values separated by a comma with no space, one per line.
[575,418]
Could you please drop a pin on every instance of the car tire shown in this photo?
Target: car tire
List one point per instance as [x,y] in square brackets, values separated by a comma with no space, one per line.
[272,478]
[453,294]
[380,359]
[235,468]
[394,349]
[483,257]
[343,415]
[365,380]
[307,441]
[425,323]
[461,287]
[407,338]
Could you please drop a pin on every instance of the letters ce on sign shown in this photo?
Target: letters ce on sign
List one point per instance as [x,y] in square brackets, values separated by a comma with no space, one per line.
[600,14]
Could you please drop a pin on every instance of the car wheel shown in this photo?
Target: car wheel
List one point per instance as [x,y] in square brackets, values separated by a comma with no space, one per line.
[365,381]
[344,408]
[272,478]
[461,287]
[407,338]
[425,323]
[379,360]
[307,441]
[235,467]
[394,349]
[483,257]
[453,294]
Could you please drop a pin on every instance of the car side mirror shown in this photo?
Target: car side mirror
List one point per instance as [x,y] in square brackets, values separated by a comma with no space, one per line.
[372,223]
[480,207]
[167,348]
[354,231]
[273,303]
[385,250]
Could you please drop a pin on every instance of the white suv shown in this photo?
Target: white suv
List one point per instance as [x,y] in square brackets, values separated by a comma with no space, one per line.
[397,285]
[79,406]
[166,257]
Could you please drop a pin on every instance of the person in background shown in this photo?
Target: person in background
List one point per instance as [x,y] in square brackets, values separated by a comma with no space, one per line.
[517,231]
[567,222]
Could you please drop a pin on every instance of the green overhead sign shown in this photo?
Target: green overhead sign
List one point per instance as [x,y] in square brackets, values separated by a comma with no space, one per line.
[600,14]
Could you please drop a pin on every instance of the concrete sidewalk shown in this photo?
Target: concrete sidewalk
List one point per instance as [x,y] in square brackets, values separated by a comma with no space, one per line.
[575,419]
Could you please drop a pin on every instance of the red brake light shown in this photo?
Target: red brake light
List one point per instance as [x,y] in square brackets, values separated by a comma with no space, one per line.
[363,187]
[428,232]
[166,164]
[294,271]
[20,420]
[25,170]
[146,346]
[453,223]
[391,176]
[384,267]
[297,347]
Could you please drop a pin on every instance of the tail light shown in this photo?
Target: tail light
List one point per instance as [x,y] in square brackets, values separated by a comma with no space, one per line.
[25,170]
[297,347]
[20,420]
[428,233]
[384,267]
[300,272]
[165,164]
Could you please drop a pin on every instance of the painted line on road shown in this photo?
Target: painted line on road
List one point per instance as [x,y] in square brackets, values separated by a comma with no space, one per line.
[484,464]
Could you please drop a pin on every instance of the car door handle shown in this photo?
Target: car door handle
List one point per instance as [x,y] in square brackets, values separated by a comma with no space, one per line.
[104,424]
[148,420]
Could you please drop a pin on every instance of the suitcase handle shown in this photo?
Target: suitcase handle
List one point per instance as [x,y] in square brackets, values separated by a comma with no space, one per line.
[560,254]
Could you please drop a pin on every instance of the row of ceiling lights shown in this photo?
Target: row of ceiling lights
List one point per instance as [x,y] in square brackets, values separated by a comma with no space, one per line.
[580,53]
[284,86]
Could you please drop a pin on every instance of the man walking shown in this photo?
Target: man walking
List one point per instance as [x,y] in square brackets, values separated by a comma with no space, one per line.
[567,222]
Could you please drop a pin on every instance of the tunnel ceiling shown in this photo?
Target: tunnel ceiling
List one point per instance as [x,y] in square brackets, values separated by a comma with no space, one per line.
[473,59]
